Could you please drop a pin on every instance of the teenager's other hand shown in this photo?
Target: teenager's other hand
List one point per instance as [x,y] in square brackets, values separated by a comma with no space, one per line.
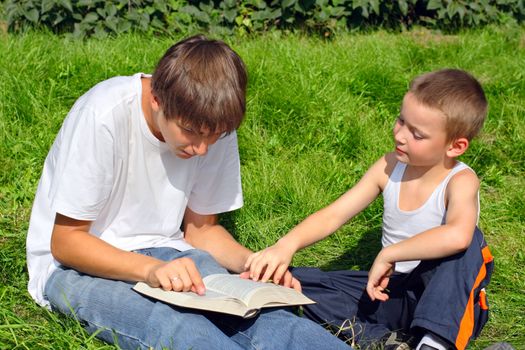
[378,278]
[179,275]
[270,263]
[290,281]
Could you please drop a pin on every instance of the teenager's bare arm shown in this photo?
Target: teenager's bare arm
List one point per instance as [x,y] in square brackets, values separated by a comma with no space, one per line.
[273,261]
[442,241]
[204,232]
[73,246]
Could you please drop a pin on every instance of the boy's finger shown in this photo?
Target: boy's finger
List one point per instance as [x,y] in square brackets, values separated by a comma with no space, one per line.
[370,291]
[270,269]
[256,269]
[249,261]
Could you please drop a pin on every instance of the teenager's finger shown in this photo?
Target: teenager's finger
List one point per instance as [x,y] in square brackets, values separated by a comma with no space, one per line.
[176,283]
[165,282]
[279,273]
[285,279]
[296,284]
[245,275]
[195,277]
[185,280]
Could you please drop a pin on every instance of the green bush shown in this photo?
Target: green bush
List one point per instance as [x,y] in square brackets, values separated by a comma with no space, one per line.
[100,17]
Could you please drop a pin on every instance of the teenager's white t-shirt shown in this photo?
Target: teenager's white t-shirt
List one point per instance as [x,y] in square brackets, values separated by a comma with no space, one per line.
[106,166]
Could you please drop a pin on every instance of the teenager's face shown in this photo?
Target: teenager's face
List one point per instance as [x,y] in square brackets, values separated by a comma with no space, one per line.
[183,141]
[419,134]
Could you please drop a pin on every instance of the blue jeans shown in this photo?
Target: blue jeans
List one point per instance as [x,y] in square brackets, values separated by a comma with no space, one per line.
[124,317]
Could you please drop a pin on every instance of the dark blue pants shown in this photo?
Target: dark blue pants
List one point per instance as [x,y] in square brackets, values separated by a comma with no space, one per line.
[444,296]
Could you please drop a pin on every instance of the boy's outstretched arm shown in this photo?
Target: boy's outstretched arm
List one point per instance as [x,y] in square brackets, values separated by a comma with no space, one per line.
[73,246]
[442,241]
[273,261]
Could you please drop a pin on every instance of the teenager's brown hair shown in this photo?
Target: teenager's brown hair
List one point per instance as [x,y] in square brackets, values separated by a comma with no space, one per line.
[202,84]
[458,95]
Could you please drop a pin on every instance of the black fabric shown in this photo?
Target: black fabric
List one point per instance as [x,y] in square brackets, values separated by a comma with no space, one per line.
[432,298]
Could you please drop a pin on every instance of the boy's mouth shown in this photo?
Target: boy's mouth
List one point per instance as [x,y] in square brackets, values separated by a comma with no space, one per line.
[399,151]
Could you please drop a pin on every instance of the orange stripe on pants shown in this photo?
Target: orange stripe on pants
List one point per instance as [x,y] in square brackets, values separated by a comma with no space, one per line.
[466,327]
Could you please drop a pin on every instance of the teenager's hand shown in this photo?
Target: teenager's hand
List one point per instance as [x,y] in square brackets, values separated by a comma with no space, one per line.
[290,281]
[378,278]
[180,275]
[270,263]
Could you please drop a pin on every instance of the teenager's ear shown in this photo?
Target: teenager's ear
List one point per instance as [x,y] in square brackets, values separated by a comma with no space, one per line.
[458,147]
[155,105]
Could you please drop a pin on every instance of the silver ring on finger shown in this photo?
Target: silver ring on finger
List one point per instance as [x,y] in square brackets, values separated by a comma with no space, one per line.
[175,279]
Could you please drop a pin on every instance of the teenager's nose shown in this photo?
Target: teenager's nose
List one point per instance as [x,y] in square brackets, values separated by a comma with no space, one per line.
[200,148]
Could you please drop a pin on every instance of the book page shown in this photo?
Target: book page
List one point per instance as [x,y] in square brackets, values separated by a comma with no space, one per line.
[211,301]
[229,294]
[254,294]
[232,285]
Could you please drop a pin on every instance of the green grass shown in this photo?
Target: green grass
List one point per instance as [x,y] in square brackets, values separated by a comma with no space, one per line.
[319,113]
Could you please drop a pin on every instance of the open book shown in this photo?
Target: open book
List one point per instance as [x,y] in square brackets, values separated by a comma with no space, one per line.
[230,294]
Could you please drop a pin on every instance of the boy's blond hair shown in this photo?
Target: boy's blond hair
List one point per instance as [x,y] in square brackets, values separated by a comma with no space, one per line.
[201,83]
[458,95]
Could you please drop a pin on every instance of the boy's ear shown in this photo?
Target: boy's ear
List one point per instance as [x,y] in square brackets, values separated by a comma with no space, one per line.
[457,147]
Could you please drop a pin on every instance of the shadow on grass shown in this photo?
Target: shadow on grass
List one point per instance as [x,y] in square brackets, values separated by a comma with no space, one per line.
[360,256]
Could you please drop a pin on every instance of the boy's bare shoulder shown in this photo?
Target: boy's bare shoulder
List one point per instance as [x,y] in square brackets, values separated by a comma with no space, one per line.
[382,169]
[390,162]
[465,181]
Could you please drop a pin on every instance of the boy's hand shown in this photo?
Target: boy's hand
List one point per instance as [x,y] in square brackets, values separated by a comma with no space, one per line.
[179,275]
[288,280]
[378,278]
[270,263]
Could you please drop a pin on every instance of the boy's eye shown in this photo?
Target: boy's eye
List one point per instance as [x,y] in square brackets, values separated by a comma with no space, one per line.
[418,137]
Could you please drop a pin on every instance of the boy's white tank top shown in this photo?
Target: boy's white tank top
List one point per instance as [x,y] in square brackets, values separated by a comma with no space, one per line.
[399,225]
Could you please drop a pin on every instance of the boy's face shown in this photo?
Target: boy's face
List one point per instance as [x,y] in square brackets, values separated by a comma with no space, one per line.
[183,141]
[419,134]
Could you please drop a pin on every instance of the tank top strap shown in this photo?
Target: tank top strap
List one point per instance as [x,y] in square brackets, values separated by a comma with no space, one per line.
[456,169]
[397,173]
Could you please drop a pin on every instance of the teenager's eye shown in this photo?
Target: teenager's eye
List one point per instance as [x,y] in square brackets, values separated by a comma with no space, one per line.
[188,130]
[418,137]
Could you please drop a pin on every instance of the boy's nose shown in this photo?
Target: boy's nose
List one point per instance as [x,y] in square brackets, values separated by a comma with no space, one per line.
[398,135]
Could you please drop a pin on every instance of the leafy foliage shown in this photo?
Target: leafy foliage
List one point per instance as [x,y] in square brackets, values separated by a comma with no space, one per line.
[100,17]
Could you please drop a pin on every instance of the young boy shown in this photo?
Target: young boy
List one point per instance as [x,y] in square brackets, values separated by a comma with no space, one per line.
[135,158]
[428,279]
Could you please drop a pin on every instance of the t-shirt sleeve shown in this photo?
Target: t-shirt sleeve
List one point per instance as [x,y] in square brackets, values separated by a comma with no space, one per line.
[84,160]
[217,188]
